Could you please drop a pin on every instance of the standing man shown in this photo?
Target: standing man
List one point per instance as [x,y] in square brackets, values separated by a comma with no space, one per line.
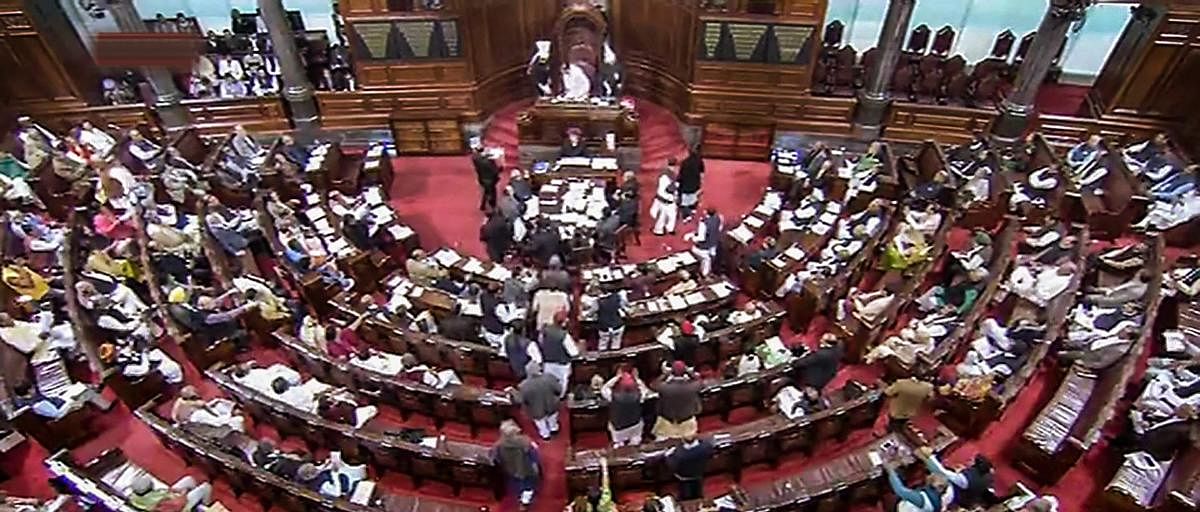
[518,459]
[558,349]
[678,404]
[496,235]
[689,461]
[905,399]
[706,239]
[664,210]
[690,174]
[487,173]
[610,319]
[539,394]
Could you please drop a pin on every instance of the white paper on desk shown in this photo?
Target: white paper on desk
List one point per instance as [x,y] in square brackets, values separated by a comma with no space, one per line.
[828,217]
[473,266]
[779,262]
[722,289]
[322,226]
[742,234]
[382,210]
[416,292]
[833,207]
[820,229]
[313,165]
[312,199]
[665,266]
[395,282]
[430,442]
[373,196]
[753,222]
[446,257]
[499,273]
[677,302]
[363,492]
[876,460]
[764,209]
[575,161]
[685,258]
[399,231]
[604,163]
[794,253]
[471,308]
[694,298]
[315,213]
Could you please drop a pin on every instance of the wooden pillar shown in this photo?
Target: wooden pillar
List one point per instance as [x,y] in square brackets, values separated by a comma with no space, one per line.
[296,88]
[174,115]
[875,99]
[1018,108]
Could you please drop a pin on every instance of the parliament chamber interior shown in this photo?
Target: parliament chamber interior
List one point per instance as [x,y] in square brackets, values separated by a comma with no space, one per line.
[600,255]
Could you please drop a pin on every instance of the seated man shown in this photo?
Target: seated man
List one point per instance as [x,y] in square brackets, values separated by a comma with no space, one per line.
[868,307]
[1124,258]
[1132,290]
[190,407]
[908,248]
[1138,156]
[145,151]
[1042,287]
[1085,153]
[292,152]
[138,359]
[1035,193]
[183,496]
[1166,214]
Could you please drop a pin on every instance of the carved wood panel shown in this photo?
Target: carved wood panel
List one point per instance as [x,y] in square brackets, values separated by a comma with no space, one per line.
[949,125]
[1153,67]
[372,75]
[214,117]
[372,109]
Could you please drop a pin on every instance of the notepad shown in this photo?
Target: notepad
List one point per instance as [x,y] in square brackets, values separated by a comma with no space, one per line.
[742,234]
[677,302]
[399,231]
[694,298]
[794,252]
[753,222]
[446,257]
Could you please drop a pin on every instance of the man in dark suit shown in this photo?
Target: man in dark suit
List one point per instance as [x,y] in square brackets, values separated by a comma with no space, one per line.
[545,243]
[821,366]
[487,173]
[496,234]
[573,145]
[690,174]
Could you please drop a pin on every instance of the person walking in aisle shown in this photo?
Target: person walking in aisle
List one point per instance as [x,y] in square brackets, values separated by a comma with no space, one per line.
[487,173]
[691,172]
[539,394]
[664,209]
[517,457]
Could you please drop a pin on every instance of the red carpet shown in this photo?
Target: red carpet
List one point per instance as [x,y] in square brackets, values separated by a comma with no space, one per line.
[438,197]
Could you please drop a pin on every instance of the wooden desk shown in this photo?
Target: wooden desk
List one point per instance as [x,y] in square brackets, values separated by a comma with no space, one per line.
[472,405]
[998,271]
[1071,423]
[764,440]
[652,273]
[269,488]
[861,335]
[546,122]
[86,481]
[819,294]
[969,418]
[643,317]
[717,395]
[837,484]
[455,463]
[477,359]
